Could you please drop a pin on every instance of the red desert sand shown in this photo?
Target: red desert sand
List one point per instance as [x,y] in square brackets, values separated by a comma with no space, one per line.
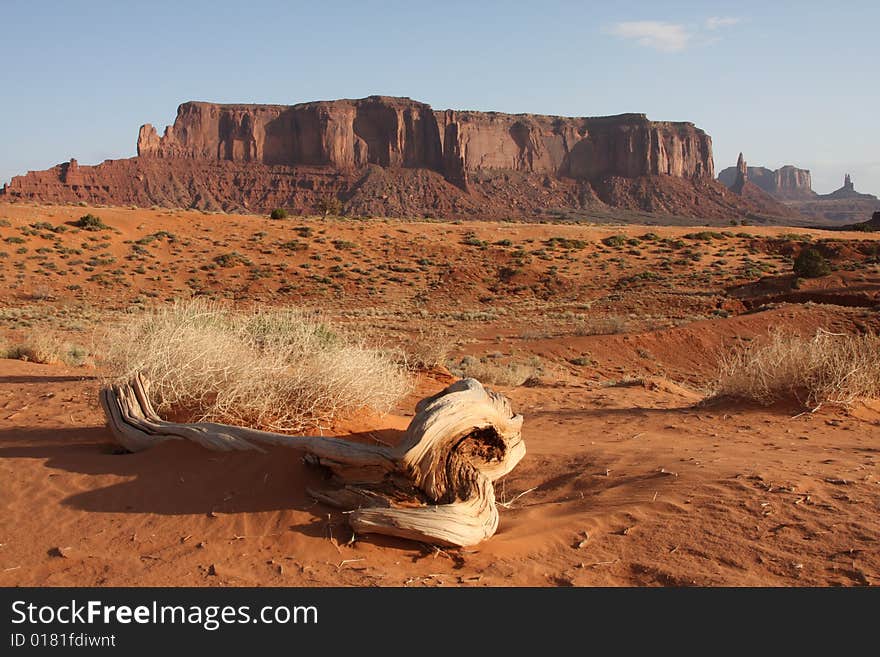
[633,475]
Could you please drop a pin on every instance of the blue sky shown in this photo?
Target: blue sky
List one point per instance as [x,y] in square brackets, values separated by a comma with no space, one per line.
[786,83]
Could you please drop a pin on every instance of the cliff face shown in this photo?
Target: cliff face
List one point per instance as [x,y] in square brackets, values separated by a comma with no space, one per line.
[787,183]
[397,156]
[398,132]
[628,146]
[343,134]
[793,183]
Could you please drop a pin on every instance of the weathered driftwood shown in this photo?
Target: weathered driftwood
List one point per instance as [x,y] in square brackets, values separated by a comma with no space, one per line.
[435,486]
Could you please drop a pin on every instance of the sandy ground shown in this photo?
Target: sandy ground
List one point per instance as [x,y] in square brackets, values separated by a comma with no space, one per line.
[629,485]
[630,477]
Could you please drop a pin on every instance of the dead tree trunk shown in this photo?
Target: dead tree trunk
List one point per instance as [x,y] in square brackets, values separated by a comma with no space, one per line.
[435,486]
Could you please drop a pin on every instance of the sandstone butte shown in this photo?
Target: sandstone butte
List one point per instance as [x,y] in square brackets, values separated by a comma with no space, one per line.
[384,156]
[787,183]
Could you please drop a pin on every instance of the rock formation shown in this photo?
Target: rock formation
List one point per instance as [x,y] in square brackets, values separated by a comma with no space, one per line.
[742,175]
[848,191]
[787,183]
[399,157]
[741,184]
[793,187]
[401,133]
[842,207]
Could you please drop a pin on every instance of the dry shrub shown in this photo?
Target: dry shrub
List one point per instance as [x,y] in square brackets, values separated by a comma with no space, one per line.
[277,369]
[428,349]
[491,371]
[608,325]
[828,367]
[48,349]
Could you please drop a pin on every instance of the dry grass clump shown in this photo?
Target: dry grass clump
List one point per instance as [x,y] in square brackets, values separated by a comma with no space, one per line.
[277,369]
[428,349]
[48,349]
[828,367]
[608,325]
[492,371]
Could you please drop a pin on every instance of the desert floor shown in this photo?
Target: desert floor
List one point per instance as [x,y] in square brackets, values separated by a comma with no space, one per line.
[632,477]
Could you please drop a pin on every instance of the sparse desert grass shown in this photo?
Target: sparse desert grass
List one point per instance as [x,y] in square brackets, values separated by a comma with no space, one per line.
[608,325]
[278,369]
[827,367]
[428,349]
[48,349]
[492,371]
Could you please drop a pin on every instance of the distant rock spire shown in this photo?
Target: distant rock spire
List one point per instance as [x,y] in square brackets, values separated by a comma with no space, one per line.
[742,174]
[847,183]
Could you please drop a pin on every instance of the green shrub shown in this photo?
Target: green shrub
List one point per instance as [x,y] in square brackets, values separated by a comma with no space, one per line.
[615,241]
[278,213]
[231,259]
[566,243]
[810,263]
[705,236]
[91,222]
[330,206]
[294,245]
[470,239]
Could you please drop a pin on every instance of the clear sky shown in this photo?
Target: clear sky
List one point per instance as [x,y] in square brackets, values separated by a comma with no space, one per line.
[786,83]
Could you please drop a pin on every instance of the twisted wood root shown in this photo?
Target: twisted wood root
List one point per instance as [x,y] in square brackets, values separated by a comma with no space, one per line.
[435,486]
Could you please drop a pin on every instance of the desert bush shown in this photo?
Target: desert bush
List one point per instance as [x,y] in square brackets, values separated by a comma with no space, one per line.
[278,213]
[278,369]
[293,245]
[91,222]
[506,274]
[566,243]
[427,349]
[330,206]
[494,372]
[47,349]
[158,235]
[810,263]
[470,239]
[608,325]
[705,236]
[231,259]
[615,241]
[827,367]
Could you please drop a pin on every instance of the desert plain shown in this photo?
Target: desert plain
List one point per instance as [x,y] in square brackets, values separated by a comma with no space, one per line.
[608,339]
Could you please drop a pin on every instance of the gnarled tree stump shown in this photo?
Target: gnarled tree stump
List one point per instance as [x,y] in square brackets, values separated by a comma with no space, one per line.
[435,486]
